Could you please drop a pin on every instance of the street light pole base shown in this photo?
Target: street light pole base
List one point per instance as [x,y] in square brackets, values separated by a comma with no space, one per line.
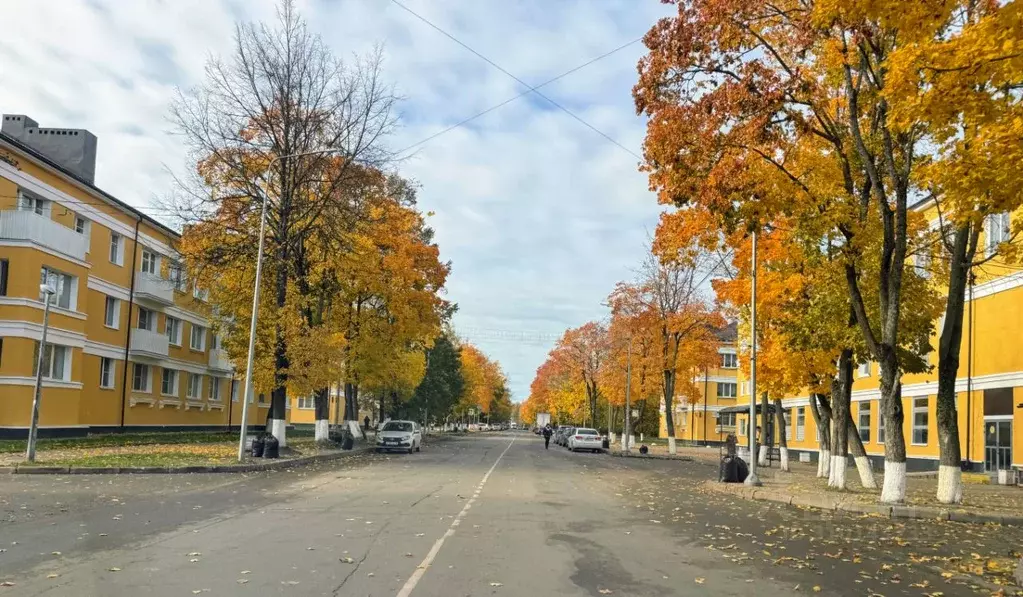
[752,480]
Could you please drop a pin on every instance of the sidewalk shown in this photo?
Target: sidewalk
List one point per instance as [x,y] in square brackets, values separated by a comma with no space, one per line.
[982,503]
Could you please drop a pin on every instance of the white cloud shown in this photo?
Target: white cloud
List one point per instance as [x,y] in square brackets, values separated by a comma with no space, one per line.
[540,215]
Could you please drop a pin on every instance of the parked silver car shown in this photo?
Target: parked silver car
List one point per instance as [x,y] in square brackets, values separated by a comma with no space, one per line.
[405,436]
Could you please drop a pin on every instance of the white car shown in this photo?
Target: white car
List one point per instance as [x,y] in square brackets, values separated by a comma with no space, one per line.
[585,439]
[406,436]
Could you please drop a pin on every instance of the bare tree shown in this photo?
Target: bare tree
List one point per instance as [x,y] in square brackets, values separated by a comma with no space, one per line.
[258,122]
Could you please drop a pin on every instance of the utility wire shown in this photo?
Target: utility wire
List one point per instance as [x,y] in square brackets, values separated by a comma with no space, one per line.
[530,88]
[524,93]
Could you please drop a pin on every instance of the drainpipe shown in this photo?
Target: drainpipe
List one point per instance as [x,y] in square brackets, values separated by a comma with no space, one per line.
[969,375]
[706,396]
[127,332]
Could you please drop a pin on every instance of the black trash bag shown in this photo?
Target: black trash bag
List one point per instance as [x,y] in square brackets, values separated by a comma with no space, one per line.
[743,469]
[347,441]
[643,449]
[271,447]
[607,443]
[257,446]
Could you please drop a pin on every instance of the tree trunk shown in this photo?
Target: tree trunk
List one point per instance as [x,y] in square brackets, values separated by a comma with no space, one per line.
[783,444]
[321,404]
[859,454]
[669,409]
[950,475]
[351,408]
[894,489]
[279,395]
[821,410]
[841,393]
[765,426]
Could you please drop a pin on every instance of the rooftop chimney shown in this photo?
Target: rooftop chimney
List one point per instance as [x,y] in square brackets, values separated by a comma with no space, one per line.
[73,149]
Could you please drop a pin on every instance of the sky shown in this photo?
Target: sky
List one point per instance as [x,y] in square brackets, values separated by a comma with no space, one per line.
[539,214]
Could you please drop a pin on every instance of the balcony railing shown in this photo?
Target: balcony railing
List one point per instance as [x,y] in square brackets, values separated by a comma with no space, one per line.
[154,288]
[146,343]
[30,226]
[220,361]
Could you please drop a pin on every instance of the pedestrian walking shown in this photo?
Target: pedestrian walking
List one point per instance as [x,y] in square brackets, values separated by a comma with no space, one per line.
[547,432]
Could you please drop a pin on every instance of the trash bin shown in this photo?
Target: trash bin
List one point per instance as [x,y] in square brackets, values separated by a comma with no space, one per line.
[271,447]
[257,447]
[643,449]
[607,443]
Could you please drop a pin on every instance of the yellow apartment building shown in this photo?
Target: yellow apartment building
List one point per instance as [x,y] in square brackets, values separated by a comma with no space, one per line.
[700,422]
[129,343]
[989,384]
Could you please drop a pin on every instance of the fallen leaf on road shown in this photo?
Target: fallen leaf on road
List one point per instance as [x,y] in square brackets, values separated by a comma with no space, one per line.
[6,583]
[52,575]
[310,549]
[496,584]
[114,569]
[816,588]
[195,553]
[420,534]
[246,571]
[371,574]
[605,591]
[55,553]
[194,560]
[289,582]
[102,534]
[700,580]
[347,560]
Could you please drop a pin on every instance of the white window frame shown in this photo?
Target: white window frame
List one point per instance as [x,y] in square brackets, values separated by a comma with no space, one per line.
[214,393]
[173,375]
[202,338]
[234,390]
[800,423]
[922,262]
[861,428]
[863,370]
[53,355]
[150,262]
[150,320]
[786,415]
[306,402]
[66,286]
[116,252]
[920,406]
[176,274]
[200,294]
[28,201]
[85,225]
[112,316]
[194,390]
[727,389]
[729,360]
[147,371]
[168,322]
[107,371]
[996,231]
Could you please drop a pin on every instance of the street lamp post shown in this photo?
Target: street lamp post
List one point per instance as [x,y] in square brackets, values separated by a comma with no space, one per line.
[33,427]
[255,295]
[752,480]
[627,431]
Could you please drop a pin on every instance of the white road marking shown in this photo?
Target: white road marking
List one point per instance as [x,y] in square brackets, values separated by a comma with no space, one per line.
[413,580]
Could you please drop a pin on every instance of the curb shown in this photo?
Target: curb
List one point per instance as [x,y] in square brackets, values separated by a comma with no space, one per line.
[824,503]
[250,467]
[681,458]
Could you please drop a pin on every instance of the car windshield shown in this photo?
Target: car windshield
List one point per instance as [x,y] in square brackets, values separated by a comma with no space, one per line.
[398,426]
[586,432]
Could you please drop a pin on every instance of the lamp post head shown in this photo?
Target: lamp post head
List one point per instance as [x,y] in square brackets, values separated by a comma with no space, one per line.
[47,289]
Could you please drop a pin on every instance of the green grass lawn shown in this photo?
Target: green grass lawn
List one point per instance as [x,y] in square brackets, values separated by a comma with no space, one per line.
[107,440]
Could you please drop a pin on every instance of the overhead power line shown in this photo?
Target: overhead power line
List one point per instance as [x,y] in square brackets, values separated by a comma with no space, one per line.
[530,88]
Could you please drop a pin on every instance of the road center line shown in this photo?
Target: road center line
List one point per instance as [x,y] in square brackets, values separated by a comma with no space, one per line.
[413,580]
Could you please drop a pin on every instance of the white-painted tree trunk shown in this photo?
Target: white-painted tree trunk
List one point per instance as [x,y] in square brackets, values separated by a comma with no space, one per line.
[322,430]
[894,489]
[784,459]
[762,455]
[823,463]
[671,446]
[950,484]
[278,428]
[836,477]
[866,472]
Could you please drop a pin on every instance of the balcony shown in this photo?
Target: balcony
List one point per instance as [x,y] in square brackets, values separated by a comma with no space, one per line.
[149,344]
[43,231]
[153,288]
[220,361]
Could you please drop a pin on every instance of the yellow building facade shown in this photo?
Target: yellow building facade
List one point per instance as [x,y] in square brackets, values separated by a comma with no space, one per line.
[701,422]
[129,342]
[989,384]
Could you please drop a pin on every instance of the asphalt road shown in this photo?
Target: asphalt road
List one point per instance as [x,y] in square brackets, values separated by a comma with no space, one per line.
[487,515]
